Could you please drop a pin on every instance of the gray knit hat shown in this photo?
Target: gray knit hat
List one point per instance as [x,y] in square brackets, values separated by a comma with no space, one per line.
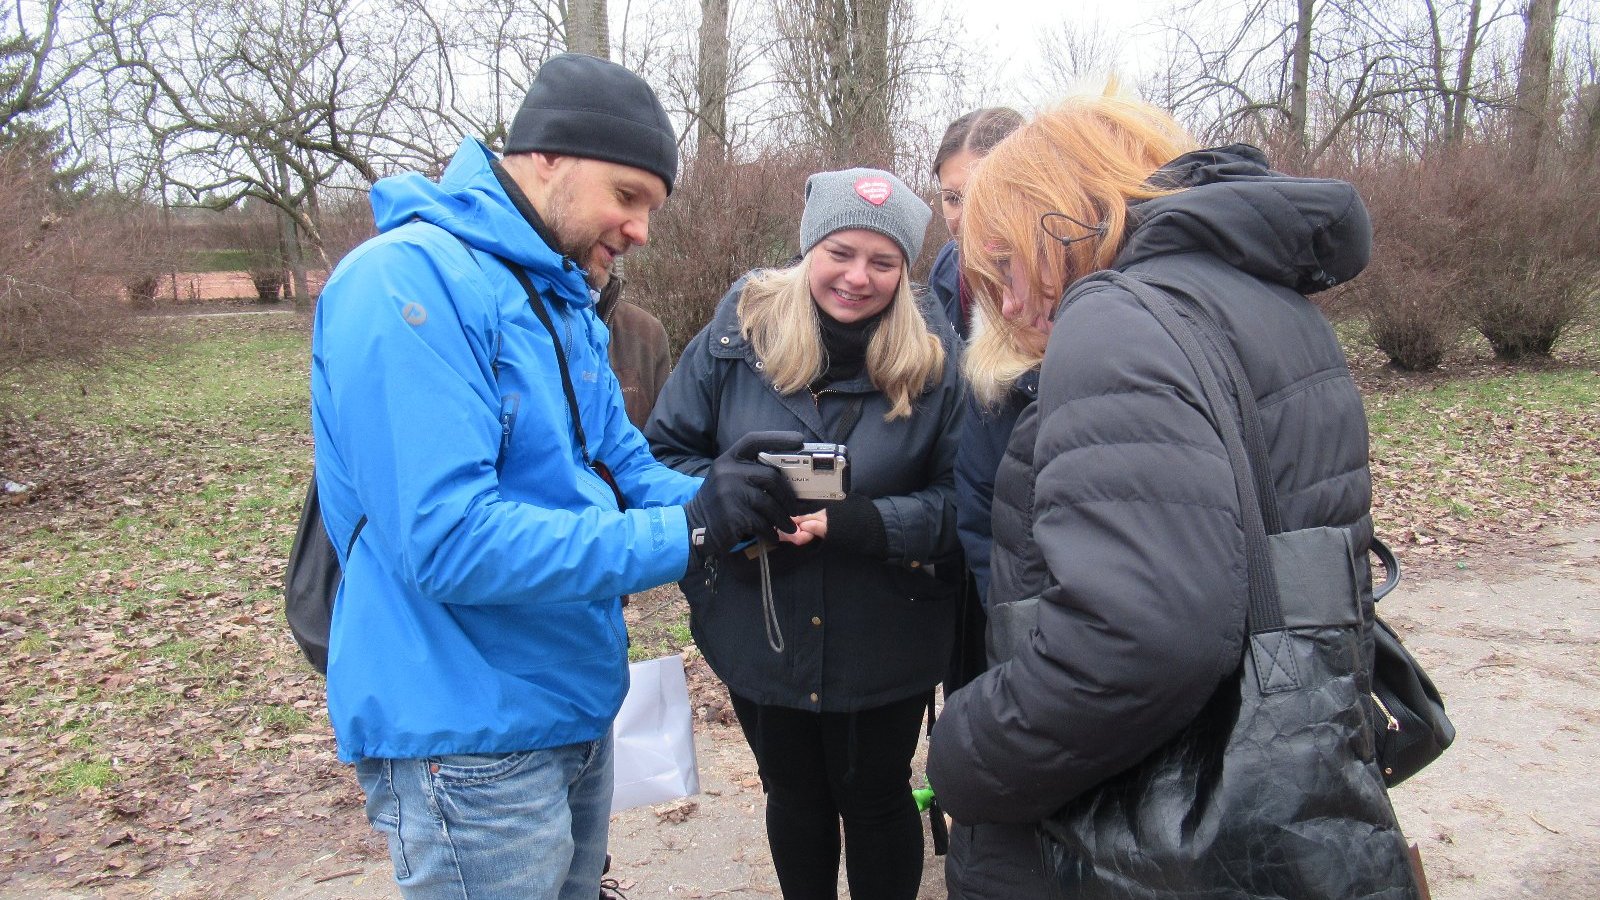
[864,198]
[585,106]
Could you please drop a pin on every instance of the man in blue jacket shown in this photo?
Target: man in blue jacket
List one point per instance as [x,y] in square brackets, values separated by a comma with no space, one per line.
[490,499]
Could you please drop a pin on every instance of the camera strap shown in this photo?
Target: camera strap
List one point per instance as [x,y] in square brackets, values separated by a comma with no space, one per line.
[846,423]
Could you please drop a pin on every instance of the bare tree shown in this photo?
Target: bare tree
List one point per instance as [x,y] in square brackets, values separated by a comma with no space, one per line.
[1534,67]
[44,54]
[852,70]
[481,58]
[1073,50]
[275,100]
[1307,75]
[834,60]
[711,115]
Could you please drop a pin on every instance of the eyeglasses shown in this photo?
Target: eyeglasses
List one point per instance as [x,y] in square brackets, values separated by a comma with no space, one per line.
[950,198]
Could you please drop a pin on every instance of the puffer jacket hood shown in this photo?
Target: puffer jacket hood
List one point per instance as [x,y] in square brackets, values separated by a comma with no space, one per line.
[1307,234]
[469,202]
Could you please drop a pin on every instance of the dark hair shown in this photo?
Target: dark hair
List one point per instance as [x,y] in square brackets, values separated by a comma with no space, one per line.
[977,131]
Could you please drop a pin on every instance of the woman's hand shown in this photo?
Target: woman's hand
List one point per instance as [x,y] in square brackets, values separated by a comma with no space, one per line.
[807,528]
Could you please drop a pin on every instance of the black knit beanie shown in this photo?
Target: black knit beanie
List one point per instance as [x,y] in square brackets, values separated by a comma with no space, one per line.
[585,106]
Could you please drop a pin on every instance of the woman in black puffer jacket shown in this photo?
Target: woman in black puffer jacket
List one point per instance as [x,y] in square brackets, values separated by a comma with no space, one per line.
[838,349]
[1114,501]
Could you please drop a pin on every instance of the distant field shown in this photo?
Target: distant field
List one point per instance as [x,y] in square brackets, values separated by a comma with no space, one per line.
[218,261]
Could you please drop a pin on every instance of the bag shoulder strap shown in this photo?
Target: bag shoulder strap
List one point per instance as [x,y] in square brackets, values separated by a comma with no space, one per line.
[1265,612]
[848,418]
[536,302]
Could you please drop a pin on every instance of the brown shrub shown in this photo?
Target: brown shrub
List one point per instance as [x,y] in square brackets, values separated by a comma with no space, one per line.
[1528,247]
[64,264]
[1409,292]
[344,223]
[723,219]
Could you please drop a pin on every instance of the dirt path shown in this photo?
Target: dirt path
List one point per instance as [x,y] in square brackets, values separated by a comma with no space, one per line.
[1509,812]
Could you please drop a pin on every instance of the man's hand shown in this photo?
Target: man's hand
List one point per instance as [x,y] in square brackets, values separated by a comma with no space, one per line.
[742,498]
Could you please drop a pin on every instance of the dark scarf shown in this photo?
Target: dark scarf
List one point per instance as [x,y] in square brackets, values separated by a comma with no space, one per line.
[846,347]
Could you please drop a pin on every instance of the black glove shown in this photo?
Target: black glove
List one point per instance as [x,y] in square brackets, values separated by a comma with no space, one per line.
[741,497]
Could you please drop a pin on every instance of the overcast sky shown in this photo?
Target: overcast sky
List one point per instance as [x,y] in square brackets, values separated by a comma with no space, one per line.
[1012,29]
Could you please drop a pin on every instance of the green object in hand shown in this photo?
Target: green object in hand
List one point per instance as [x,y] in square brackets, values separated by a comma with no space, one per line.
[924,798]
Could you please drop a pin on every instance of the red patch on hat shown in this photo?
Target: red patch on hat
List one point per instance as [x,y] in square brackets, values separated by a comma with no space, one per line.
[873,190]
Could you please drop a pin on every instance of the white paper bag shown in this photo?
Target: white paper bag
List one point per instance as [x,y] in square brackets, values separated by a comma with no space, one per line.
[654,735]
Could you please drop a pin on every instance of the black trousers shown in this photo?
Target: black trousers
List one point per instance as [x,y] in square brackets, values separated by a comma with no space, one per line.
[819,769]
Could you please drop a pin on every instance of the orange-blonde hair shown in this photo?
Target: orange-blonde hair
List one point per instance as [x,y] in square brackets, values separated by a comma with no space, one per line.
[1086,159]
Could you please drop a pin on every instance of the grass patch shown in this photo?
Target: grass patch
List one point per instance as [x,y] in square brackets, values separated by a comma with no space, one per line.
[82,774]
[285,719]
[1492,451]
[220,260]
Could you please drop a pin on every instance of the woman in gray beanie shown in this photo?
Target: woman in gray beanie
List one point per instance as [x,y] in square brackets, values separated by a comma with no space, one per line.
[831,641]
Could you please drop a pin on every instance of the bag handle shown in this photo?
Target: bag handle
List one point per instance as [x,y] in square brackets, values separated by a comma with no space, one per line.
[1391,566]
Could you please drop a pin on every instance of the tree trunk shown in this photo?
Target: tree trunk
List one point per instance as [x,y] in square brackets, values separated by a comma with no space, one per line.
[1533,80]
[587,28]
[290,238]
[1456,132]
[712,113]
[1299,85]
[858,89]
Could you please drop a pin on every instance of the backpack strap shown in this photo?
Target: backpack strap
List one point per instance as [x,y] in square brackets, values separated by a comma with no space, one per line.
[537,301]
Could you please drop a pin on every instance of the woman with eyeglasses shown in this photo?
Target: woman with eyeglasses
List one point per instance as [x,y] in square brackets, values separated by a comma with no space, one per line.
[965,142]
[1116,506]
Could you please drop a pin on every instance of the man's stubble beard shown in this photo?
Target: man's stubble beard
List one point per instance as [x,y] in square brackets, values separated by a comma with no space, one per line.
[562,200]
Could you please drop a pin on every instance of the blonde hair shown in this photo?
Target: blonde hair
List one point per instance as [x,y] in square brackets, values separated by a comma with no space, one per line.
[779,318]
[1086,159]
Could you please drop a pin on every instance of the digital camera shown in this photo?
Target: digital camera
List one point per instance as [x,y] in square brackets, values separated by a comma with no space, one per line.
[815,471]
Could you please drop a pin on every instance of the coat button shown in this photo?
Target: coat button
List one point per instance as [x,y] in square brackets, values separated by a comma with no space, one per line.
[816,620]
[813,698]
[760,365]
[724,342]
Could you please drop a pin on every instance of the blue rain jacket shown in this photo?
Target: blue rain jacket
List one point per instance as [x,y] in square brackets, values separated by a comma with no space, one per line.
[479,611]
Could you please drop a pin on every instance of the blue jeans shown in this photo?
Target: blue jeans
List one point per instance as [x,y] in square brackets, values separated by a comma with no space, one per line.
[514,825]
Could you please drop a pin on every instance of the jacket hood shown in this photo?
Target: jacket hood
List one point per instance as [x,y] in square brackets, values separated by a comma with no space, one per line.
[1308,234]
[468,202]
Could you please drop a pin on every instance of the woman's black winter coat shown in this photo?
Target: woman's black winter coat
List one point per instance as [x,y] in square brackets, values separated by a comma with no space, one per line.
[1116,503]
[859,631]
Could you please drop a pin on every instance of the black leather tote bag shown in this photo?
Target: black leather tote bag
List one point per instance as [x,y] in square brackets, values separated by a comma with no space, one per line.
[1274,791]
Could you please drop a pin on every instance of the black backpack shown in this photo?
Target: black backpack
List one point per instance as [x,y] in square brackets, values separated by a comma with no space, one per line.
[312,580]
